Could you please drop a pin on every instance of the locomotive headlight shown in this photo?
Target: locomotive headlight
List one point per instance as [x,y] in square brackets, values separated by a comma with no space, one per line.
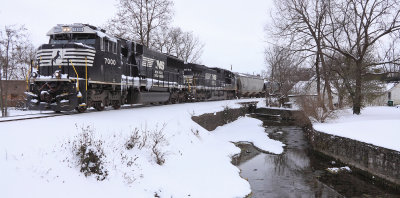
[66,29]
[34,75]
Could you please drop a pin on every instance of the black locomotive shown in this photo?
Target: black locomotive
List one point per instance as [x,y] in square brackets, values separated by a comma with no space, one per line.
[82,66]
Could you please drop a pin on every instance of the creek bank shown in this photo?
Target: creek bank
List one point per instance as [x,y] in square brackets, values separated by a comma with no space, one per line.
[376,164]
[211,121]
[365,182]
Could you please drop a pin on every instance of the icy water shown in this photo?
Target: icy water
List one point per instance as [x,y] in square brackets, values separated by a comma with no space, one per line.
[298,172]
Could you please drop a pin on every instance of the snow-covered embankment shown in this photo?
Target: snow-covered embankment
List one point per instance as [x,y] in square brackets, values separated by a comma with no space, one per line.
[36,155]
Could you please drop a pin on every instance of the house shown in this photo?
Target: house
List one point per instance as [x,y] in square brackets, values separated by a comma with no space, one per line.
[308,90]
[391,92]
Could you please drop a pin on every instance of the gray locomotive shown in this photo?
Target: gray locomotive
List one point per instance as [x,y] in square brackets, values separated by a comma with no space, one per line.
[82,66]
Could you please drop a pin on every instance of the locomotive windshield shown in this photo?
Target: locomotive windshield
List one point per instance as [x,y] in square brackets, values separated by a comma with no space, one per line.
[88,39]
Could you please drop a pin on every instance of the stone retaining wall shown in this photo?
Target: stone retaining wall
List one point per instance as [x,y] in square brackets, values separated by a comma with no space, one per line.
[378,161]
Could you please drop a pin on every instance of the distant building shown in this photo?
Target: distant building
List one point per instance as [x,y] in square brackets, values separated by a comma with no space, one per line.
[308,90]
[390,93]
[15,89]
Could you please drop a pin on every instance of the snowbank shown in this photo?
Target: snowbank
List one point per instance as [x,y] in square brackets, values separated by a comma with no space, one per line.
[376,125]
[249,130]
[36,158]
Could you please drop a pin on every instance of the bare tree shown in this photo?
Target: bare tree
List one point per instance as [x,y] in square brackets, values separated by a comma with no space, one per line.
[303,23]
[283,65]
[391,56]
[184,45]
[139,19]
[355,28]
[191,48]
[16,51]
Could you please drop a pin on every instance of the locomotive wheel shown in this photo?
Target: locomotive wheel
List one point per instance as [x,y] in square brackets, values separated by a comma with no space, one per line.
[99,106]
[116,106]
[81,109]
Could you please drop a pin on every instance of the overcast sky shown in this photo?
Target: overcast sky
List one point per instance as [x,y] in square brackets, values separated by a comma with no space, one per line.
[232,30]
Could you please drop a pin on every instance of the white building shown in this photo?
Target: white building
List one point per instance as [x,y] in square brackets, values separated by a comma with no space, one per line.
[308,89]
[391,93]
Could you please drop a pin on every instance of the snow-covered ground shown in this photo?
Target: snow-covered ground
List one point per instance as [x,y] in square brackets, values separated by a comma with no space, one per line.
[36,157]
[379,126]
[12,112]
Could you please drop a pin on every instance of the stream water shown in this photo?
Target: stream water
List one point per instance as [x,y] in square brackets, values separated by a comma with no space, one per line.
[298,172]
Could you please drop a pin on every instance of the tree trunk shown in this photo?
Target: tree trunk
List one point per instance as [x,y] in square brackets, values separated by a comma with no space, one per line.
[318,76]
[1,94]
[5,101]
[327,83]
[357,101]
[5,71]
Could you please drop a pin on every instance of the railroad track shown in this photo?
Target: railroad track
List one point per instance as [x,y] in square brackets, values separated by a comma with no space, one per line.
[33,116]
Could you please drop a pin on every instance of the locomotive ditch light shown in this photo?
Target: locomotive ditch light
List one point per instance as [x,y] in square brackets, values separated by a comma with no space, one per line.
[57,74]
[34,75]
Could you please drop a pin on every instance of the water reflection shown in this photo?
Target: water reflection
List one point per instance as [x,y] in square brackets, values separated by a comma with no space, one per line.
[298,172]
[285,175]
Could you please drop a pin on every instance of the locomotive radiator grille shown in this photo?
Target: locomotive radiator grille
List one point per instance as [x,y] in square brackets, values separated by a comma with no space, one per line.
[60,57]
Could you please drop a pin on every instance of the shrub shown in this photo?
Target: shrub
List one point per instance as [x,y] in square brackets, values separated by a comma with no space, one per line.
[90,153]
[313,110]
[158,140]
[154,140]
[230,115]
[196,132]
[226,116]
[133,140]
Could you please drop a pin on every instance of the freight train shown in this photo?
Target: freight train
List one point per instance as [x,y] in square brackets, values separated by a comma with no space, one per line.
[82,66]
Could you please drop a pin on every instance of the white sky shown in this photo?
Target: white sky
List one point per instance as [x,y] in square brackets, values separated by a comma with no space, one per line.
[232,30]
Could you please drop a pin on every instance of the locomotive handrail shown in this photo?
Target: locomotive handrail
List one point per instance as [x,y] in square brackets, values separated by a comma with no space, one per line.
[28,76]
[40,60]
[77,76]
[86,71]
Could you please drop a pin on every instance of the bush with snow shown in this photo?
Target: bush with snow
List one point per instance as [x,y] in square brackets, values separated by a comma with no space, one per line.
[158,140]
[136,140]
[90,153]
[154,140]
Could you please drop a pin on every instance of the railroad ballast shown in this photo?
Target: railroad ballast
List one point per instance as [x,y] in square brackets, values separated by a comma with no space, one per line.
[82,66]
